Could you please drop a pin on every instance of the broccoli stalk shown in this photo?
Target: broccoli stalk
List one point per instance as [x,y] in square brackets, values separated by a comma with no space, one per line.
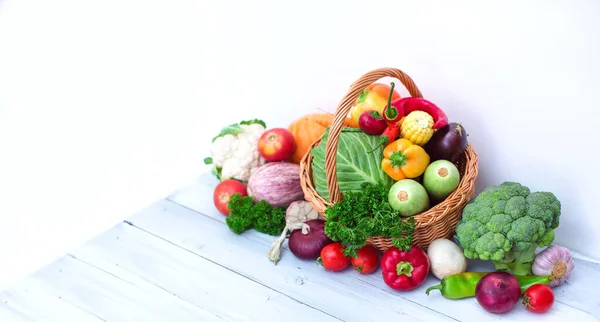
[517,262]
[506,223]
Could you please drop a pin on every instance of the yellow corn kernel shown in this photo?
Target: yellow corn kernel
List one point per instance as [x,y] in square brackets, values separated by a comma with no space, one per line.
[417,127]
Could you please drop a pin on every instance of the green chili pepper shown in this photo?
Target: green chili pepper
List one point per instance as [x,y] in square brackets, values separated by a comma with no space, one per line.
[462,285]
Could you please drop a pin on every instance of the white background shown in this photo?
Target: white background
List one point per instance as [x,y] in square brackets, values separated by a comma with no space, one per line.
[106,106]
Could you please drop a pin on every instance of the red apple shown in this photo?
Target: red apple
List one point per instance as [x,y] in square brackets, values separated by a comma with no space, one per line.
[276,144]
[224,190]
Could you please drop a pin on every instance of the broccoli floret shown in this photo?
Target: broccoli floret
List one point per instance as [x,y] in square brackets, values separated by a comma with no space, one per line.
[506,223]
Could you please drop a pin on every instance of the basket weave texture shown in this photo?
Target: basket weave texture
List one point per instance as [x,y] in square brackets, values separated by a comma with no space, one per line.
[438,221]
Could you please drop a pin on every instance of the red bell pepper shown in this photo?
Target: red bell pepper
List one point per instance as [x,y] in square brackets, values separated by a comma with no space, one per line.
[404,270]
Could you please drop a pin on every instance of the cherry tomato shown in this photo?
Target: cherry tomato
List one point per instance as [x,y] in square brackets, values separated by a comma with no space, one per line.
[333,258]
[538,298]
[276,144]
[367,260]
[224,190]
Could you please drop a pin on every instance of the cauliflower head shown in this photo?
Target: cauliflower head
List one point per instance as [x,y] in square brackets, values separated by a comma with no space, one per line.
[234,153]
[506,223]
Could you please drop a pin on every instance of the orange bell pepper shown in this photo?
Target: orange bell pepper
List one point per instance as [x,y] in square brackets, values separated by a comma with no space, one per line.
[373,98]
[402,159]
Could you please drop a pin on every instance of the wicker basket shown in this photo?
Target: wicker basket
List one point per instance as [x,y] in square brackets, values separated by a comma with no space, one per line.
[437,222]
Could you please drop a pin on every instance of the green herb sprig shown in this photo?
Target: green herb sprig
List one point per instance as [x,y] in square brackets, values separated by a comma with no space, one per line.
[261,216]
[365,214]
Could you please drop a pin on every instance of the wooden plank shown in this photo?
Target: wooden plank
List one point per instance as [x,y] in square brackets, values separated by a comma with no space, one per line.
[26,302]
[302,280]
[149,262]
[197,196]
[102,295]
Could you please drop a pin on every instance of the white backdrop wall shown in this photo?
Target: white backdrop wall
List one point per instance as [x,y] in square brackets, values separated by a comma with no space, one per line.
[106,106]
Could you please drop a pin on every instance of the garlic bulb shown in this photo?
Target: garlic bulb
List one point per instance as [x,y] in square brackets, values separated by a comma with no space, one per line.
[295,215]
[556,261]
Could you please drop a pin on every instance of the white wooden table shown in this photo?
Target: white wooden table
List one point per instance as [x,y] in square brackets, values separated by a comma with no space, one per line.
[177,261]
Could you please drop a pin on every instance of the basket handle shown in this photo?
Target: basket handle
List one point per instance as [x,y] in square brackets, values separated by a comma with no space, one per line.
[342,111]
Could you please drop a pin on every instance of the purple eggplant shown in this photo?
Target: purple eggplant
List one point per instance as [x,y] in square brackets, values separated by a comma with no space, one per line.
[447,143]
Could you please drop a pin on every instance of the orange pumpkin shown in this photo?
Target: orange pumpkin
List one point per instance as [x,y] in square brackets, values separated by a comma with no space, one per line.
[308,129]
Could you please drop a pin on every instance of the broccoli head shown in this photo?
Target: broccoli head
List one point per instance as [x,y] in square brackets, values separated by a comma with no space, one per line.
[506,223]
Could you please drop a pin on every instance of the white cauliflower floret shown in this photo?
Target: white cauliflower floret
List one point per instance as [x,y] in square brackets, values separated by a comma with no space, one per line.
[234,152]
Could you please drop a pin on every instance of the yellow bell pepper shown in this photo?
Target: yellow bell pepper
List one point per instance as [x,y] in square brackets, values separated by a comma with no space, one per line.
[373,98]
[402,159]
[417,127]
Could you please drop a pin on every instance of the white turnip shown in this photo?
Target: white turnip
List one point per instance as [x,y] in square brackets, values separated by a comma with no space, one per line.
[446,258]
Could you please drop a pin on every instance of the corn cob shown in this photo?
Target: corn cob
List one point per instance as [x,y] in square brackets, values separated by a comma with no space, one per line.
[417,127]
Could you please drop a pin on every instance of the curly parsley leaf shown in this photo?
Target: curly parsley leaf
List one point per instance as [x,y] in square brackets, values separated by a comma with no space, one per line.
[260,216]
[365,214]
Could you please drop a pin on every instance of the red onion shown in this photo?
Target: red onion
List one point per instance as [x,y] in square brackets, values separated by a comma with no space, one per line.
[295,215]
[498,292]
[306,243]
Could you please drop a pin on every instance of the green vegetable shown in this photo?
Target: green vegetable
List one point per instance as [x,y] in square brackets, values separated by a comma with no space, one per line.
[235,129]
[463,285]
[354,163]
[260,216]
[506,223]
[365,214]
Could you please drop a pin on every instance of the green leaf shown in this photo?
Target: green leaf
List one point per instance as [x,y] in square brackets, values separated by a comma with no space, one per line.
[254,121]
[233,129]
[363,96]
[365,214]
[355,165]
[208,160]
[217,172]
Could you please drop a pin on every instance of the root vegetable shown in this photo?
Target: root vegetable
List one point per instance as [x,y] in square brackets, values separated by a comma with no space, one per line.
[307,243]
[463,285]
[297,213]
[446,258]
[301,211]
[498,292]
[556,261]
[371,122]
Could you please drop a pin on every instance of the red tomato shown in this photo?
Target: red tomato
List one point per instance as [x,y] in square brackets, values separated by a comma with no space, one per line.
[367,259]
[538,298]
[333,258]
[276,144]
[224,190]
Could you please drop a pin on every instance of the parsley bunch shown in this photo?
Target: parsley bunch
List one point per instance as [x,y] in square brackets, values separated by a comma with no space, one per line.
[260,216]
[367,214]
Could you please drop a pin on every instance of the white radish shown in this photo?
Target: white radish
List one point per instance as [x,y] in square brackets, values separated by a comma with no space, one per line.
[296,214]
